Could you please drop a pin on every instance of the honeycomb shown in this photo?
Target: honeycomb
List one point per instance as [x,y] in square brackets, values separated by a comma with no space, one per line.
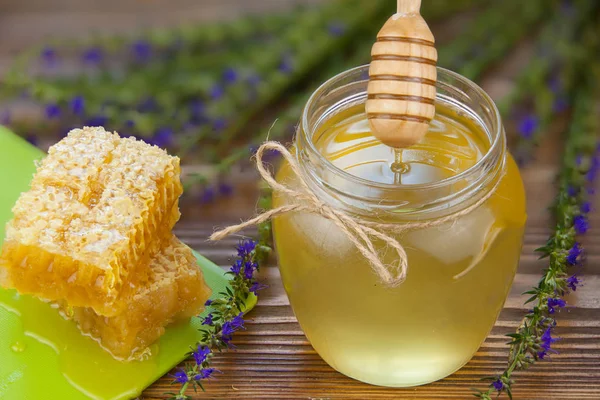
[97,211]
[175,290]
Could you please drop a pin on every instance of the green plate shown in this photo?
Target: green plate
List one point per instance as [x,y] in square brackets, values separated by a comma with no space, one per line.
[43,356]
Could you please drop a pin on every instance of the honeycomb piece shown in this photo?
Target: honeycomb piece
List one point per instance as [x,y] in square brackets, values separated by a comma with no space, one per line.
[84,231]
[175,290]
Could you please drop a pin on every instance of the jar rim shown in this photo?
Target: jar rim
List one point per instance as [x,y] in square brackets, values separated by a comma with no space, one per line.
[496,136]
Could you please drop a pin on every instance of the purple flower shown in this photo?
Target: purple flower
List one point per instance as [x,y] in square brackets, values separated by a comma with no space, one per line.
[561,104]
[498,384]
[591,191]
[546,342]
[225,189]
[200,354]
[53,111]
[208,302]
[208,320]
[93,56]
[181,376]
[586,207]
[286,65]
[230,75]
[579,160]
[572,191]
[130,123]
[528,126]
[204,374]
[97,120]
[245,248]
[142,50]
[235,324]
[77,105]
[574,254]
[553,304]
[208,195]
[254,80]
[48,55]
[147,105]
[337,28]
[32,139]
[236,268]
[163,137]
[249,268]
[5,118]
[256,287]
[581,224]
[219,124]
[196,108]
[216,92]
[573,282]
[555,84]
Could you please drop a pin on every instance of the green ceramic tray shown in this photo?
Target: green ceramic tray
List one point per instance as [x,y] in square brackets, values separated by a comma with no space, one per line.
[42,356]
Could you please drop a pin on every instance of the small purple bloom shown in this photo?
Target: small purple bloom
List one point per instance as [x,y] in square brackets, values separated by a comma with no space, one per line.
[97,120]
[546,342]
[287,65]
[591,191]
[219,124]
[225,189]
[528,126]
[200,354]
[53,111]
[204,374]
[256,287]
[196,108]
[235,324]
[238,321]
[245,248]
[236,268]
[208,320]
[77,105]
[216,92]
[32,139]
[574,254]
[586,207]
[581,224]
[147,105]
[163,137]
[130,123]
[208,302]
[573,282]
[553,304]
[579,160]
[561,104]
[572,191]
[337,28]
[249,268]
[498,385]
[48,55]
[254,80]
[208,195]
[230,75]
[181,376]
[5,118]
[93,56]
[555,84]
[142,50]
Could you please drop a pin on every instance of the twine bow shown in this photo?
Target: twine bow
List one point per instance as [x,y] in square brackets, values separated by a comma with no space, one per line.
[360,233]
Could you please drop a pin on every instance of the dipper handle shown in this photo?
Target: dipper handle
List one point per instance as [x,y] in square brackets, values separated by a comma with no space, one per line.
[402,78]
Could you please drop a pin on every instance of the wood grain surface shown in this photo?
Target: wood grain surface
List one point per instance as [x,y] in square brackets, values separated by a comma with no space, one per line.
[273,359]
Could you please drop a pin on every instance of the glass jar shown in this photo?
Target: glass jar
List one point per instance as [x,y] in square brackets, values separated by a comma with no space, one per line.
[459,273]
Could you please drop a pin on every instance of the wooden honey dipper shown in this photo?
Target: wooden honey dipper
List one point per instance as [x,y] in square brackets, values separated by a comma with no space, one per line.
[401,91]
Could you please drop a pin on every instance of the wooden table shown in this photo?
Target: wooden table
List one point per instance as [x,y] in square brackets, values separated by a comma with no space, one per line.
[273,359]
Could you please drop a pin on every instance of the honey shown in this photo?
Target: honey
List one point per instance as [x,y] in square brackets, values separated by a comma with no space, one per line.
[459,273]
